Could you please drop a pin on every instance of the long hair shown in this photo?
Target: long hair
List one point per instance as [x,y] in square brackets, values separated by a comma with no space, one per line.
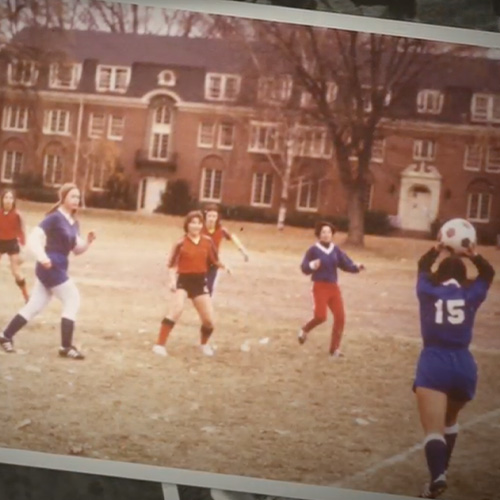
[64,190]
[450,268]
[212,207]
[4,194]
[195,214]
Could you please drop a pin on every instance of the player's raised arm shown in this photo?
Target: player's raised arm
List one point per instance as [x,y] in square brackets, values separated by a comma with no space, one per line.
[485,270]
[238,243]
[427,260]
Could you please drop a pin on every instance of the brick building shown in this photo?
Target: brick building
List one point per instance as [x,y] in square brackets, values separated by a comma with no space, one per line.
[186,108]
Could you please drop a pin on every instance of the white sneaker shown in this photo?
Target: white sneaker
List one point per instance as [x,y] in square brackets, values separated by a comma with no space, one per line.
[301,336]
[160,350]
[207,350]
[337,354]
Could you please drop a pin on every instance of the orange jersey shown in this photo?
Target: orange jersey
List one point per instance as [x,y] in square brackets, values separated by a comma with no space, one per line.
[217,235]
[193,258]
[11,226]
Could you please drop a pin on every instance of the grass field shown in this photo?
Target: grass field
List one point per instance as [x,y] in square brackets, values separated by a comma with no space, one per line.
[278,411]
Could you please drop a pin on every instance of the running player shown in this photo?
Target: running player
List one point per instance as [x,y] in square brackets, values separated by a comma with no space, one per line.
[217,232]
[322,262]
[446,373]
[188,266]
[51,242]
[12,237]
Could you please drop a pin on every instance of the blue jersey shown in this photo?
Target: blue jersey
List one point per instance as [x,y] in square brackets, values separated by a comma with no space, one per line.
[62,238]
[448,310]
[331,257]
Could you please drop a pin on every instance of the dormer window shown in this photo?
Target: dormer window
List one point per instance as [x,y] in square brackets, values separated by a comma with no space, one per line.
[275,88]
[430,101]
[485,108]
[167,78]
[22,72]
[113,78]
[222,87]
[65,75]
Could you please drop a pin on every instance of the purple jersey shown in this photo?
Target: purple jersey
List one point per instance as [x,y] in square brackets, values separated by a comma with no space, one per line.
[448,310]
[61,240]
[331,257]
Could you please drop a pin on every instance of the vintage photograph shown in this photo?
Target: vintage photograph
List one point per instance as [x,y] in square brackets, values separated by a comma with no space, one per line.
[249,247]
[483,15]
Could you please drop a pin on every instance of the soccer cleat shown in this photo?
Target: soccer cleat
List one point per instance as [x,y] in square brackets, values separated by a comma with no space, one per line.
[207,350]
[7,344]
[70,353]
[161,350]
[435,488]
[337,354]
[302,336]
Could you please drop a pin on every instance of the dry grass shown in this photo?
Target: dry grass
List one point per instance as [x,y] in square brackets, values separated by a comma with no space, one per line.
[279,411]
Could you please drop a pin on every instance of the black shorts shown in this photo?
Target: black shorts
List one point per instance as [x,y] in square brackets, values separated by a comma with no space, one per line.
[194,284]
[10,247]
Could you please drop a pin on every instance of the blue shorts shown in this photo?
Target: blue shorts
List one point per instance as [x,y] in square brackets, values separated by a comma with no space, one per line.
[453,372]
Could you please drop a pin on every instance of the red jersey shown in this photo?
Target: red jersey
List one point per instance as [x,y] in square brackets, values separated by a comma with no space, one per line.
[217,235]
[11,226]
[193,258]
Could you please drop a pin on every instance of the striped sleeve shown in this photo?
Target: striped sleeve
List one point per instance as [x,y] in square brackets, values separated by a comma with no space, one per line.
[213,255]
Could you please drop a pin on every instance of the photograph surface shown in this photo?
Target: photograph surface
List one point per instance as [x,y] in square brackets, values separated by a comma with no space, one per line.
[216,243]
[482,15]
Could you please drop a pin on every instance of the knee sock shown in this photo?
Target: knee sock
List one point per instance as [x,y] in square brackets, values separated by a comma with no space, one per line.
[14,326]
[436,453]
[67,328]
[206,332]
[165,329]
[450,434]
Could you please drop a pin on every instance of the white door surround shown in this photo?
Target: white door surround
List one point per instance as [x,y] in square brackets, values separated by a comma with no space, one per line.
[150,193]
[419,197]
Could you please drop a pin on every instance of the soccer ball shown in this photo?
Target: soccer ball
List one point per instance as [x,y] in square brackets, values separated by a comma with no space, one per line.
[457,235]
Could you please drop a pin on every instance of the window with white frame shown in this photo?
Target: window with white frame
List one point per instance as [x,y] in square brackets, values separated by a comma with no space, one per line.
[479,206]
[100,175]
[15,118]
[12,164]
[264,138]
[313,142]
[226,136]
[275,88]
[493,159]
[56,122]
[97,125]
[378,150]
[64,75]
[430,101]
[22,72]
[473,157]
[424,150]
[167,78]
[113,78]
[306,98]
[366,98]
[308,195]
[222,87]
[116,126]
[262,189]
[160,132]
[211,185]
[53,173]
[206,134]
[485,108]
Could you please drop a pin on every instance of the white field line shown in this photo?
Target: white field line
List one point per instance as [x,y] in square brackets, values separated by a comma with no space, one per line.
[401,457]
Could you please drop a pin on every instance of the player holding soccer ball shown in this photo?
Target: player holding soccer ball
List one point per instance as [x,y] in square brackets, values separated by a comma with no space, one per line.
[446,372]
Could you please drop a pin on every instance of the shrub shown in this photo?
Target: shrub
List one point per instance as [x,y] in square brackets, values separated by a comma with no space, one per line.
[29,186]
[177,200]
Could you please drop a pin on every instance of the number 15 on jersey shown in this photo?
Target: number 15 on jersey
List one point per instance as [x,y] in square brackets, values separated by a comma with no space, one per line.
[450,311]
